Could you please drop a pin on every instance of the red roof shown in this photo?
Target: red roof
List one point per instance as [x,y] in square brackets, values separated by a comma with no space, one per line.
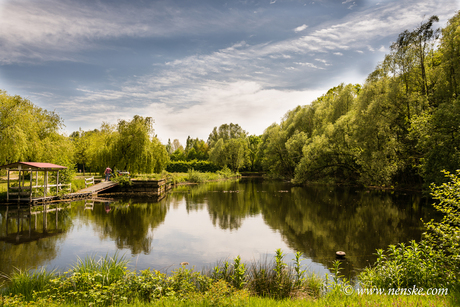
[34,165]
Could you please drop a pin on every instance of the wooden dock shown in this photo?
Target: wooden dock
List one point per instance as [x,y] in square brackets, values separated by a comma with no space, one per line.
[88,192]
[149,188]
[99,187]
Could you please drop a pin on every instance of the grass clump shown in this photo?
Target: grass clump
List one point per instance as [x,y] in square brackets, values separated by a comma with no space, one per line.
[25,282]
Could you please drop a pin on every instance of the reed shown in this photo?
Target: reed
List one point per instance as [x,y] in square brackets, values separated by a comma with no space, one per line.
[269,278]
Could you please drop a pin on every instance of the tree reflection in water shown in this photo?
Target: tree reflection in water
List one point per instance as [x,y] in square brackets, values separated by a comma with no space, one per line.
[127,222]
[317,221]
[30,236]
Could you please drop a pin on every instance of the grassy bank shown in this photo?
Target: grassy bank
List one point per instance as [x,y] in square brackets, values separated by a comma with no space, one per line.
[254,301]
[191,176]
[107,281]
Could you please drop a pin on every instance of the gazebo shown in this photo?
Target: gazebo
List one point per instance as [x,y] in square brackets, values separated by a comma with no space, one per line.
[25,191]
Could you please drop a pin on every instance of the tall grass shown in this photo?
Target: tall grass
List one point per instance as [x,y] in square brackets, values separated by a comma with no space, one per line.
[25,282]
[269,278]
[106,269]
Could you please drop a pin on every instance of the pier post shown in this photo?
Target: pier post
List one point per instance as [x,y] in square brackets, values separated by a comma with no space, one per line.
[31,177]
[8,186]
[57,183]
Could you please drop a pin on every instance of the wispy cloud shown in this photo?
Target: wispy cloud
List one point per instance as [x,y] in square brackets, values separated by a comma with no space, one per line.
[58,29]
[300,28]
[352,5]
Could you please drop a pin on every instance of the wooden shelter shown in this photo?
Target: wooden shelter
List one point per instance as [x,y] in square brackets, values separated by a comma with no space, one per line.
[25,192]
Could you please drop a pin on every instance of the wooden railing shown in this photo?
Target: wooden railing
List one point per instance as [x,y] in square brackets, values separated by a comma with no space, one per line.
[89,181]
[25,191]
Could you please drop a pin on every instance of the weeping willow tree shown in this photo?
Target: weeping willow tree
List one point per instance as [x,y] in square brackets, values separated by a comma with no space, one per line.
[130,145]
[30,133]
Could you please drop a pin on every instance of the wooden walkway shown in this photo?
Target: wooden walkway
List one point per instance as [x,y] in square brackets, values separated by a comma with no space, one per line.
[85,193]
[94,189]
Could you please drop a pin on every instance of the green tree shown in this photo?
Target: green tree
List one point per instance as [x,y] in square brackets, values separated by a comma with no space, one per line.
[178,155]
[225,132]
[236,150]
[228,146]
[254,142]
[30,133]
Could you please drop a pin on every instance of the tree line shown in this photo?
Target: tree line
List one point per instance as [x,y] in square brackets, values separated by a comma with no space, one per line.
[401,127]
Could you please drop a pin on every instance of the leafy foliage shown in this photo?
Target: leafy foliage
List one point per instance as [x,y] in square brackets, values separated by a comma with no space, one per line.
[30,133]
[129,146]
[229,147]
[434,262]
[399,128]
[184,166]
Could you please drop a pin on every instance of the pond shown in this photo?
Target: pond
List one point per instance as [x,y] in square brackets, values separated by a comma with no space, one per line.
[206,223]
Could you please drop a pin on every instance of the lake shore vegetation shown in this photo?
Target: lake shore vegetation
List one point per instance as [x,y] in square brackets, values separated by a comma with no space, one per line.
[107,281]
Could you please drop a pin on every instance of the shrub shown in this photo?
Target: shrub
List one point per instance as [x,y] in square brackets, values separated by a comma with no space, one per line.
[122,180]
[435,261]
[184,166]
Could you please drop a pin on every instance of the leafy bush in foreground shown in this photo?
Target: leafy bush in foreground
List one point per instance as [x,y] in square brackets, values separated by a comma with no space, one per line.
[435,261]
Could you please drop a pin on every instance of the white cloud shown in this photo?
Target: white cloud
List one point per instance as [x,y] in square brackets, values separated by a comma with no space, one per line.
[311,65]
[225,102]
[300,28]
[217,103]
[382,49]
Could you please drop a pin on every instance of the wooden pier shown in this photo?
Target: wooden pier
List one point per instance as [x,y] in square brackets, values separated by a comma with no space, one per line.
[87,192]
[99,187]
[141,188]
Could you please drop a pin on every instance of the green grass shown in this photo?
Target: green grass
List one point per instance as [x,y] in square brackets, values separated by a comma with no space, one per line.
[239,299]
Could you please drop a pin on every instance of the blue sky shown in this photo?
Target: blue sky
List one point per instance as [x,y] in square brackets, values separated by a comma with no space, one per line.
[193,65]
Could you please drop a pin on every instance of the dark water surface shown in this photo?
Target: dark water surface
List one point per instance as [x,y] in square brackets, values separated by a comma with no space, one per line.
[202,224]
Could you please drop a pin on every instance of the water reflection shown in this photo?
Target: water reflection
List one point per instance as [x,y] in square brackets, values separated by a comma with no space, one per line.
[204,223]
[318,221]
[29,236]
[127,223]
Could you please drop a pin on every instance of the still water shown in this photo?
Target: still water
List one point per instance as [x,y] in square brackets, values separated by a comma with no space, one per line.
[203,224]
